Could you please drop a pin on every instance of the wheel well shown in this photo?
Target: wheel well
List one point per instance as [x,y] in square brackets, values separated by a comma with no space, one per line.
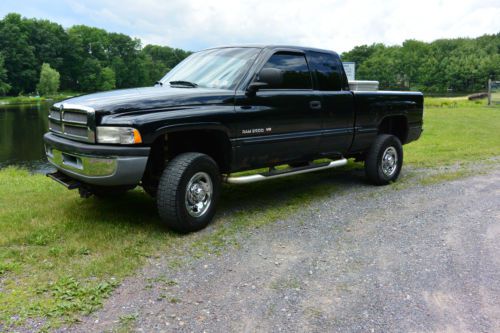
[395,125]
[214,143]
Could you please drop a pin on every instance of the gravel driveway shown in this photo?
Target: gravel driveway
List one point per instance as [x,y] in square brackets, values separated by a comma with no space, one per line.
[367,259]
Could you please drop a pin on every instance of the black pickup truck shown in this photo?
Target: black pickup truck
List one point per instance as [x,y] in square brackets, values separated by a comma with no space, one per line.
[225,110]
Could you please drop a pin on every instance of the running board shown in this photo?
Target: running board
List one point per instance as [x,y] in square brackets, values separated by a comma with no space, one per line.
[283,173]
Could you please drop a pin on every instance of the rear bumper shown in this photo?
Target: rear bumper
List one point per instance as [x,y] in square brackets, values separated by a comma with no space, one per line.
[95,164]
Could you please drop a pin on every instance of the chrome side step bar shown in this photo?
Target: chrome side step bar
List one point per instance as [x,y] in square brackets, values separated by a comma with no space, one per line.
[283,173]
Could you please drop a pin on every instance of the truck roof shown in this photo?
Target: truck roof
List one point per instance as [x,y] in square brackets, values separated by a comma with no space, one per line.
[277,46]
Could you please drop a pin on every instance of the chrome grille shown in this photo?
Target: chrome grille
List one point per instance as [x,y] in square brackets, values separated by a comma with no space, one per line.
[54,127]
[75,131]
[76,117]
[72,121]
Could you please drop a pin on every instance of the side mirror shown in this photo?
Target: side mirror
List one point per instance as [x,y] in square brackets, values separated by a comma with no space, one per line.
[254,86]
[268,77]
[272,76]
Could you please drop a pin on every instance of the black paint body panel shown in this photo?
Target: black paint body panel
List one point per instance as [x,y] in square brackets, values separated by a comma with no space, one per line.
[371,107]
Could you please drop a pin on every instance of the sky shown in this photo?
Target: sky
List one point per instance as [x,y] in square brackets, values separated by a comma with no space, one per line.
[336,25]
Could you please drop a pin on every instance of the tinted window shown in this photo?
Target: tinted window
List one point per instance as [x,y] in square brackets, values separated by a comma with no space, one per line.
[327,70]
[296,74]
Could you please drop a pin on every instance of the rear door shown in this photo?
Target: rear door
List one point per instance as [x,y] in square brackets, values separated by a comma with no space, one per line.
[337,102]
[280,123]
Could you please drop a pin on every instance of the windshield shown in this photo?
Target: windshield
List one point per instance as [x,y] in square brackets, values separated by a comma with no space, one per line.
[216,68]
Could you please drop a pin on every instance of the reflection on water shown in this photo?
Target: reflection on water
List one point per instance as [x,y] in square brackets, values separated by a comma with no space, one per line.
[21,131]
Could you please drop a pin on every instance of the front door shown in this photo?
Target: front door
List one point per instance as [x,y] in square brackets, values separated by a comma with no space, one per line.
[280,123]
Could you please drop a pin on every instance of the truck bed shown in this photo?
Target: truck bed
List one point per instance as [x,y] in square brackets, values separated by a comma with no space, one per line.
[372,107]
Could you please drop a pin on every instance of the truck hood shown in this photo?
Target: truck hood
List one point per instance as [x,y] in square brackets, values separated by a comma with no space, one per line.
[151,98]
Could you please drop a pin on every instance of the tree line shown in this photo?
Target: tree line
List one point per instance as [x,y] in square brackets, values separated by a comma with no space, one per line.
[87,59]
[445,65]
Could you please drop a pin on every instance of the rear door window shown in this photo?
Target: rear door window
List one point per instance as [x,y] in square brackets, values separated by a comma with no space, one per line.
[296,74]
[327,70]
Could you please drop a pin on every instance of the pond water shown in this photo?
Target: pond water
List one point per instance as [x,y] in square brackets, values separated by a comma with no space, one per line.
[21,136]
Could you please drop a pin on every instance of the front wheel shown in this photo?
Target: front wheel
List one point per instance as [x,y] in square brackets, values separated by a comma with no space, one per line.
[384,160]
[188,192]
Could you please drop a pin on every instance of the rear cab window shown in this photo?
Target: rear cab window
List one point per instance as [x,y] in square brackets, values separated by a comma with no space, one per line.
[327,71]
[296,74]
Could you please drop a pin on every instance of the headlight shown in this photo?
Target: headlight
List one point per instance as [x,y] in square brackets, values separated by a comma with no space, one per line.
[121,135]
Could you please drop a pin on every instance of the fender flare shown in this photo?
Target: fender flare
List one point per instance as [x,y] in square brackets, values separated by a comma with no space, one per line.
[394,115]
[403,115]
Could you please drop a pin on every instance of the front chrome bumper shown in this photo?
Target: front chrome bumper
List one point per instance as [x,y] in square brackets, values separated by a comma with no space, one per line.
[94,164]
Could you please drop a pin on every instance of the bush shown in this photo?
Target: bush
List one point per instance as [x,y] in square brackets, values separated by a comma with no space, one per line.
[49,81]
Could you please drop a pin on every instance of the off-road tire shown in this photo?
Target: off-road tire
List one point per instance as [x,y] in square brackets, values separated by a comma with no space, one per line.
[171,196]
[374,165]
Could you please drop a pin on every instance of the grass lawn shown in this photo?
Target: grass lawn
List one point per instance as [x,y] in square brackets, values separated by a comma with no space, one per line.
[61,256]
[456,130]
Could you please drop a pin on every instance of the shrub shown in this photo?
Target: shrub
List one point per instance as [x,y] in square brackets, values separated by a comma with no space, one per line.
[49,81]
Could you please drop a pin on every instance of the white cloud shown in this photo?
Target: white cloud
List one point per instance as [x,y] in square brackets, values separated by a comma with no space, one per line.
[333,24]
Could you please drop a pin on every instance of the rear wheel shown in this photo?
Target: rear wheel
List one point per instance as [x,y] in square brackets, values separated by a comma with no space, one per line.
[384,160]
[188,192]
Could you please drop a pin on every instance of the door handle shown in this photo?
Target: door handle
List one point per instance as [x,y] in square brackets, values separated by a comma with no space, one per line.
[315,105]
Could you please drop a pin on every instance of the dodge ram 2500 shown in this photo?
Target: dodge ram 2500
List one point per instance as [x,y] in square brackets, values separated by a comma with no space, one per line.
[225,110]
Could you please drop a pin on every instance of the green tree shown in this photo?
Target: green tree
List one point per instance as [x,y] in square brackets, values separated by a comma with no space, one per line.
[89,75]
[125,59]
[384,66]
[20,61]
[89,54]
[160,59]
[360,54]
[50,45]
[107,79]
[94,77]
[458,65]
[49,81]
[4,86]
[92,59]
[412,56]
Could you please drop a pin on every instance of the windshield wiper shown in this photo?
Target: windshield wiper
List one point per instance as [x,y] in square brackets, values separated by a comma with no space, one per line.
[183,83]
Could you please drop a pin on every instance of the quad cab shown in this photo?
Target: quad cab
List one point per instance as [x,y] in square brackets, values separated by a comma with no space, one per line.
[225,110]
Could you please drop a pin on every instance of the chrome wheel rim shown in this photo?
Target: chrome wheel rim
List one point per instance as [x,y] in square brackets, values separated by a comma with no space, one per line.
[389,161]
[199,193]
